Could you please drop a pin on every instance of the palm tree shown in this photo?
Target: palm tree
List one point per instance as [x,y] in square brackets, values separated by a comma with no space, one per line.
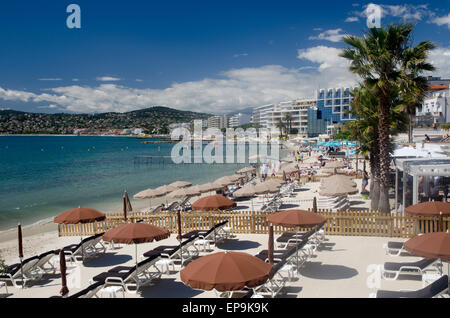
[382,58]
[280,125]
[365,130]
[288,121]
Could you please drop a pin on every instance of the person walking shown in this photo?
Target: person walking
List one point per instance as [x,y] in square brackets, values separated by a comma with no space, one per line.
[365,181]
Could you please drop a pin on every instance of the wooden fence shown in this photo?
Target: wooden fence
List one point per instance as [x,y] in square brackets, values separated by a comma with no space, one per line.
[348,223]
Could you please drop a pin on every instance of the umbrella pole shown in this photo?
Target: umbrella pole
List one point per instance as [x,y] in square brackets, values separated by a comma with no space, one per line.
[296,247]
[135,255]
[21,271]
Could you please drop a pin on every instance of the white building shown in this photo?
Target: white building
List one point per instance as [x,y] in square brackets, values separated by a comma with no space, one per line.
[435,108]
[260,115]
[298,112]
[219,122]
[238,120]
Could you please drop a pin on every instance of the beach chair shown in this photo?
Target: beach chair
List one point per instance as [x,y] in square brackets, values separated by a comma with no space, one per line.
[181,252]
[43,265]
[89,292]
[14,273]
[275,284]
[391,271]
[394,248]
[173,206]
[86,249]
[132,278]
[437,289]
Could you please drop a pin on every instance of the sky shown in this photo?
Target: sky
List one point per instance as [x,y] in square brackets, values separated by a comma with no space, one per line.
[198,55]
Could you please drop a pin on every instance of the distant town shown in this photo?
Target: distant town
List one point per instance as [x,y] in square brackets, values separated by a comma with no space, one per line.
[326,113]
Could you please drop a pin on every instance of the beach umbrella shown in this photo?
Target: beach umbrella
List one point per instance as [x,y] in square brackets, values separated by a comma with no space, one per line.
[315,205]
[244,192]
[208,187]
[297,219]
[213,202]
[334,164]
[135,233]
[149,194]
[265,188]
[431,208]
[228,180]
[63,268]
[180,184]
[226,271]
[338,179]
[129,207]
[79,215]
[246,170]
[183,193]
[19,234]
[336,190]
[275,181]
[431,245]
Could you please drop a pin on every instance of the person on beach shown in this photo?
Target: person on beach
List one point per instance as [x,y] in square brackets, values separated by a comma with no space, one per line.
[365,181]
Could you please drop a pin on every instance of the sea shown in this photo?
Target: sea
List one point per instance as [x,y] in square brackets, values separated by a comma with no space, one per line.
[42,176]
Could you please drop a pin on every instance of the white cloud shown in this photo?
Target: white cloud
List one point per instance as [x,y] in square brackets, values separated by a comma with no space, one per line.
[75,80]
[49,79]
[329,35]
[108,79]
[231,91]
[405,11]
[139,80]
[240,55]
[51,106]
[440,58]
[445,20]
[352,19]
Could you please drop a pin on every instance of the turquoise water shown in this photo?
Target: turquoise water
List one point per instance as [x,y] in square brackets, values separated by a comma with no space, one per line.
[41,177]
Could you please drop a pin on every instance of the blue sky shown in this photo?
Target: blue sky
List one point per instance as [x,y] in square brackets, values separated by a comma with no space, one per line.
[212,56]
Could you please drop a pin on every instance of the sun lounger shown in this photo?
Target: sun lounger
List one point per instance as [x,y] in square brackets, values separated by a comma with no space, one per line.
[14,273]
[89,292]
[436,289]
[274,284]
[44,266]
[133,279]
[394,248]
[173,206]
[181,252]
[86,249]
[391,271]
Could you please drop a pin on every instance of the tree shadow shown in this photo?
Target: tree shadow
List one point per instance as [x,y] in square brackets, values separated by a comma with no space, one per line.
[169,288]
[108,259]
[288,206]
[317,270]
[236,245]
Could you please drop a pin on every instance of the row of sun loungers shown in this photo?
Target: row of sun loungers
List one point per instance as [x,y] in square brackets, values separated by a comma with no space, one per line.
[31,269]
[34,268]
[133,278]
[393,270]
[286,260]
[333,203]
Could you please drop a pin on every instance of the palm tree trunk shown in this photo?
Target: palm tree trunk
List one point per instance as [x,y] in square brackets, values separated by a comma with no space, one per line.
[375,171]
[385,157]
[410,130]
